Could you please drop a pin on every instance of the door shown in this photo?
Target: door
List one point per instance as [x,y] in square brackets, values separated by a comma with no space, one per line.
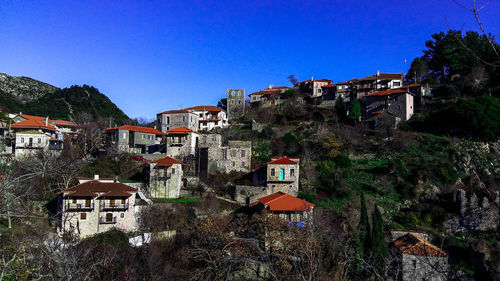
[31,142]
[282,174]
[112,202]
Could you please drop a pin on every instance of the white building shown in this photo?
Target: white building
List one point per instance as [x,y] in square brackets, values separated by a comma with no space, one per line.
[34,133]
[210,117]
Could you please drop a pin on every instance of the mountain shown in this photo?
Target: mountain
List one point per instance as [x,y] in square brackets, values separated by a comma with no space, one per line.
[30,96]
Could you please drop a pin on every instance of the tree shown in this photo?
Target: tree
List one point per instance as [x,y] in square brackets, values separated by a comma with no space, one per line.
[418,72]
[222,104]
[378,244]
[355,111]
[364,231]
[293,80]
[340,108]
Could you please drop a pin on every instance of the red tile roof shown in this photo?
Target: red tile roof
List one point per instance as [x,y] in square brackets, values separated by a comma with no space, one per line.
[387,92]
[175,111]
[414,245]
[34,123]
[281,201]
[383,76]
[316,80]
[204,108]
[25,116]
[329,86]
[411,85]
[267,92]
[98,188]
[181,131]
[343,83]
[167,162]
[137,129]
[280,87]
[283,160]
[60,122]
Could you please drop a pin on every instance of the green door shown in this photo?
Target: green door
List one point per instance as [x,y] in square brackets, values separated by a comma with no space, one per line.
[282,174]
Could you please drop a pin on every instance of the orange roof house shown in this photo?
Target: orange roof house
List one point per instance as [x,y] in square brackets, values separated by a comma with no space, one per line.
[167,162]
[204,108]
[131,128]
[283,160]
[181,131]
[34,123]
[97,188]
[412,244]
[281,201]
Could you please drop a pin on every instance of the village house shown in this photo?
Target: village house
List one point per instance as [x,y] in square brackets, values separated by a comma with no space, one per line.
[34,133]
[283,175]
[417,259]
[373,83]
[171,119]
[67,128]
[134,139]
[313,87]
[95,206]
[214,157]
[182,142]
[268,97]
[288,207]
[210,117]
[235,103]
[165,178]
[396,102]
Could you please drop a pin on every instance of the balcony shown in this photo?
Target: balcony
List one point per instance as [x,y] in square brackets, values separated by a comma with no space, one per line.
[107,220]
[111,207]
[79,207]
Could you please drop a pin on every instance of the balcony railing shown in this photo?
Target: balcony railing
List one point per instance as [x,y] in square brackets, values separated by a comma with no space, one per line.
[107,220]
[79,207]
[107,206]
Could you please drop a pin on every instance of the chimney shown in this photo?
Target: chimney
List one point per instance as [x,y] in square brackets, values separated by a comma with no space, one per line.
[96,177]
[312,78]
[378,72]
[46,121]
[270,86]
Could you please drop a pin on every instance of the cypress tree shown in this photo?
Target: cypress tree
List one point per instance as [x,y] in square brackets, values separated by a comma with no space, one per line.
[364,225]
[378,246]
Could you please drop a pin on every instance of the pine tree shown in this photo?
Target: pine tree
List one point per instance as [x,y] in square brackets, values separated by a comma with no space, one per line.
[364,225]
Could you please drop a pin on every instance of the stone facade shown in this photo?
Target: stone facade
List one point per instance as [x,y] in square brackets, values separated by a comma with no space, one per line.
[165,178]
[182,142]
[397,102]
[97,206]
[172,119]
[313,87]
[373,83]
[269,97]
[133,139]
[235,103]
[283,175]
[214,157]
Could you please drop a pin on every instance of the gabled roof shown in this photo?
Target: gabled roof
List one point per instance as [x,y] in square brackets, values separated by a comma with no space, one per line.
[315,80]
[266,92]
[34,123]
[329,86]
[167,162]
[175,111]
[181,131]
[281,201]
[343,83]
[383,76]
[387,92]
[98,188]
[283,161]
[279,87]
[414,245]
[204,108]
[412,85]
[26,116]
[60,122]
[137,129]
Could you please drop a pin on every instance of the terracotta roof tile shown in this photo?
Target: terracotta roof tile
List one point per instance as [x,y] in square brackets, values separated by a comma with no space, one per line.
[387,92]
[414,245]
[33,124]
[283,160]
[280,201]
[96,187]
[175,111]
[181,130]
[60,122]
[204,108]
[147,130]
[167,162]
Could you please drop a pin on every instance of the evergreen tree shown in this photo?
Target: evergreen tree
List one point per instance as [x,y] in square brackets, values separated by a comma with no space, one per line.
[364,225]
[378,245]
[340,108]
[355,111]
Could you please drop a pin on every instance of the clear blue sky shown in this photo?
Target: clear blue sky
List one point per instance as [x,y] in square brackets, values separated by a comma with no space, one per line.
[150,56]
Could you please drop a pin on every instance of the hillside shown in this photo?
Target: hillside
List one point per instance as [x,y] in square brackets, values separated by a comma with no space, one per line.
[23,94]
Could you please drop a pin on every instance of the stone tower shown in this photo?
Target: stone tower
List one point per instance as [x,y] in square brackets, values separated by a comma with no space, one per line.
[235,103]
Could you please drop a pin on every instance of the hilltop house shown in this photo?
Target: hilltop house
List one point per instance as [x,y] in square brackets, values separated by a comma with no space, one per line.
[268,97]
[165,178]
[388,108]
[34,133]
[210,117]
[287,207]
[134,139]
[283,175]
[313,87]
[417,259]
[182,142]
[171,119]
[373,83]
[214,157]
[66,128]
[96,206]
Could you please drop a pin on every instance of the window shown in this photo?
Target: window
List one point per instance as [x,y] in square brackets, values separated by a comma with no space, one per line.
[124,135]
[201,114]
[87,203]
[239,102]
[183,118]
[233,163]
[319,90]
[282,174]
[123,201]
[292,172]
[143,136]
[22,140]
[109,217]
[39,140]
[243,153]
[122,215]
[74,200]
[216,123]
[173,171]
[224,154]
[112,202]
[168,120]
[414,264]
[233,153]
[254,98]
[83,216]
[273,173]
[396,84]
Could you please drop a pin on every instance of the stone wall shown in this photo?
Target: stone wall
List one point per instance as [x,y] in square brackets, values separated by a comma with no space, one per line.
[165,182]
[235,103]
[248,194]
[289,184]
[424,267]
[236,156]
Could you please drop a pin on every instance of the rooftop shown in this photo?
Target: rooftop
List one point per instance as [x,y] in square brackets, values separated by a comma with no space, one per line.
[283,160]
[97,188]
[35,122]
[281,201]
[181,131]
[147,130]
[414,245]
[167,162]
[387,92]
[204,108]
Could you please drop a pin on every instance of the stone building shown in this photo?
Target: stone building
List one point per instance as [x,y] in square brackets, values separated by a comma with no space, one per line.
[210,117]
[290,208]
[165,178]
[417,259]
[283,175]
[182,142]
[235,103]
[34,133]
[373,83]
[214,157]
[268,97]
[133,139]
[171,119]
[97,206]
[395,102]
[313,87]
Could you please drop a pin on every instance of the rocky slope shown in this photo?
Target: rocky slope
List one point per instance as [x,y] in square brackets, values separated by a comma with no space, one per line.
[25,89]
